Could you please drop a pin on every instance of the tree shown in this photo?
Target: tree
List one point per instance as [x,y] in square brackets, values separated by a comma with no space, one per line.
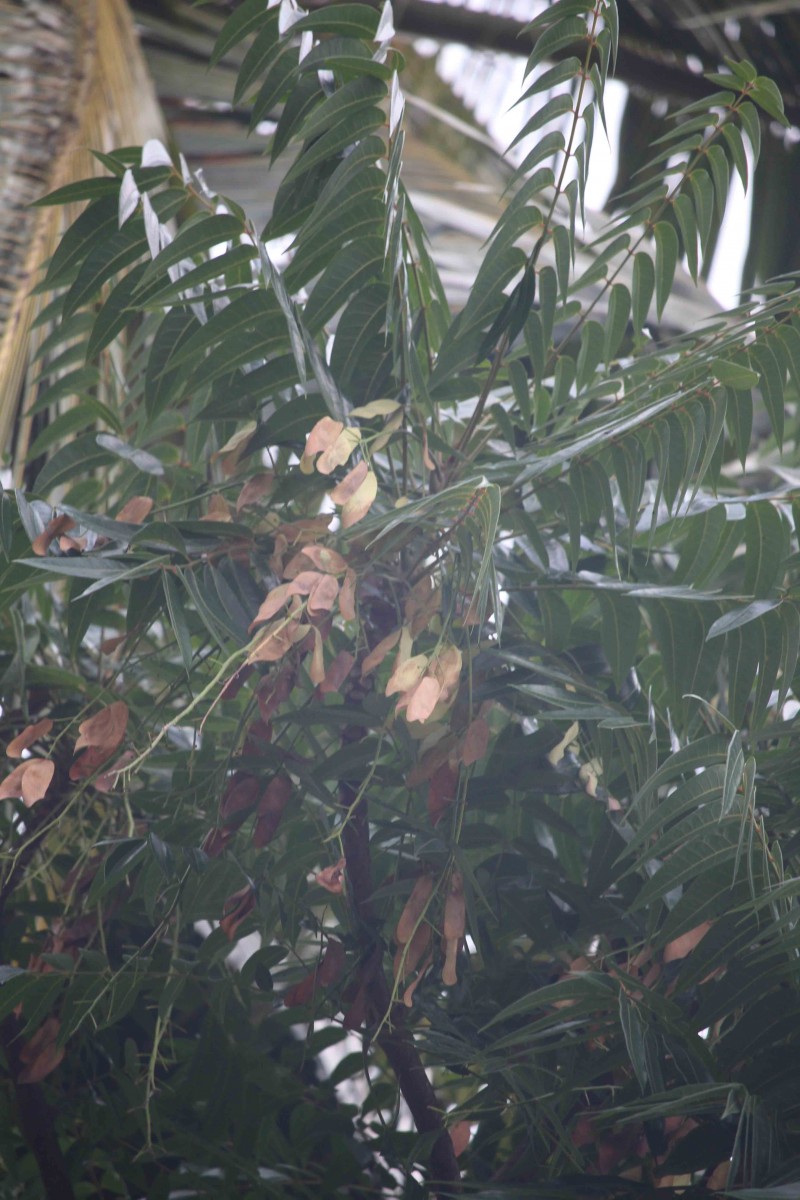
[453,655]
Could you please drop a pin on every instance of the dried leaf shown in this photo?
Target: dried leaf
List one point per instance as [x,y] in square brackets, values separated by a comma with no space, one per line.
[408,956]
[254,490]
[54,528]
[36,780]
[323,435]
[106,729]
[476,741]
[460,1134]
[236,683]
[347,596]
[350,484]
[215,841]
[332,878]
[681,946]
[356,1014]
[29,735]
[137,510]
[426,457]
[109,645]
[321,557]
[274,601]
[271,808]
[455,909]
[322,596]
[107,781]
[442,791]
[276,641]
[41,1054]
[237,907]
[337,672]
[273,691]
[420,702]
[240,796]
[415,906]
[333,963]
[361,502]
[29,781]
[378,654]
[301,993]
[218,509]
[446,668]
[449,976]
[316,670]
[422,604]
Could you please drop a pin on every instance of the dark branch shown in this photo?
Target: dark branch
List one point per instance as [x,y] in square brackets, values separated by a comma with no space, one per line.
[36,1120]
[394,1039]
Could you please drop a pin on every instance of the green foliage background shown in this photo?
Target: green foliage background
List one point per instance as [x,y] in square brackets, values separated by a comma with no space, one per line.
[569,506]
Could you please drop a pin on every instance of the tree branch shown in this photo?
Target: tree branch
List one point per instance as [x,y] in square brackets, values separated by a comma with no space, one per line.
[36,1119]
[395,1039]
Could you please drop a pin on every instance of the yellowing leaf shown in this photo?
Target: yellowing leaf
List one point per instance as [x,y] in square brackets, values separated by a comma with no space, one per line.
[238,439]
[323,435]
[338,454]
[361,501]
[406,674]
[375,408]
[316,670]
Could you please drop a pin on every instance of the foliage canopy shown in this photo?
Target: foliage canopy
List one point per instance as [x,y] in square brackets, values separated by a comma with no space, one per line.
[449,653]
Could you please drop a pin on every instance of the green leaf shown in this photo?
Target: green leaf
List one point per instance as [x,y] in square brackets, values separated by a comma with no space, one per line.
[766,545]
[246,18]
[734,375]
[666,241]
[684,212]
[349,20]
[621,624]
[105,260]
[197,235]
[91,228]
[643,285]
[740,616]
[141,459]
[619,307]
[733,139]
[71,462]
[766,95]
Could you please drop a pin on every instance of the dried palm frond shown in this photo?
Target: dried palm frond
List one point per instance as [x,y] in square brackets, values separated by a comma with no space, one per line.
[72,79]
